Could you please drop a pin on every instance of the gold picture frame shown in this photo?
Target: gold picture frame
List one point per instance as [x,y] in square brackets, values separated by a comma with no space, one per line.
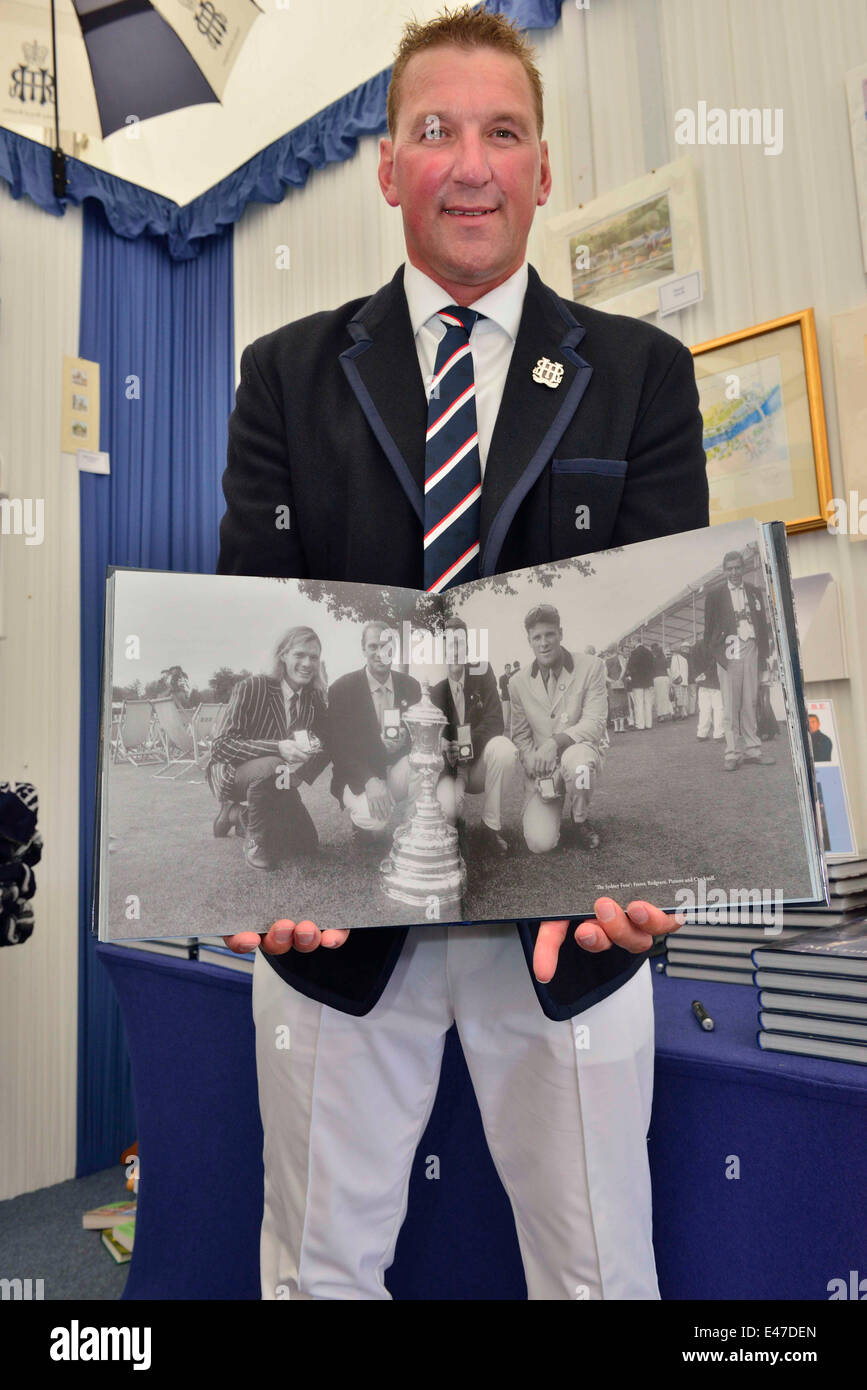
[760,391]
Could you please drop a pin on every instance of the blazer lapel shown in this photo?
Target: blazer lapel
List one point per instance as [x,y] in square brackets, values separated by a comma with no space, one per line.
[382,369]
[565,680]
[532,416]
[277,707]
[538,685]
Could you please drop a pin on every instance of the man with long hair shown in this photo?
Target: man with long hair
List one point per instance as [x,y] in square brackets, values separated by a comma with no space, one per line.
[268,742]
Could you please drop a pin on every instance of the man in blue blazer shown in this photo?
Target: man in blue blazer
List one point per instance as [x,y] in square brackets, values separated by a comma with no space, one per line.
[576,415]
[371,769]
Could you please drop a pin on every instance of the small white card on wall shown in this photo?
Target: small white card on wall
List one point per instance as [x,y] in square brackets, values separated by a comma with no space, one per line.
[677,294]
[92,461]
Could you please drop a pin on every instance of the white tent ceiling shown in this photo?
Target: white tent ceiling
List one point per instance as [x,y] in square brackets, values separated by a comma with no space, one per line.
[299,56]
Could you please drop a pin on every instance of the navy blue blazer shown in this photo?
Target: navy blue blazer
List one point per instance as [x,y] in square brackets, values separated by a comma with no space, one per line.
[353,737]
[330,420]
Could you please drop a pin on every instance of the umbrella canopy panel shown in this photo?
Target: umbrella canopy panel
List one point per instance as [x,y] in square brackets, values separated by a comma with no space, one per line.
[139,65]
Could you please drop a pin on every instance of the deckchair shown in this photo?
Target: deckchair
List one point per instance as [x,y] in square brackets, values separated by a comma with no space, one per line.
[136,740]
[205,723]
[173,728]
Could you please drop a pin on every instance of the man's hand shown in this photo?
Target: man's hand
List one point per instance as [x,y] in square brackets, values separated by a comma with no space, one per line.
[378,798]
[283,935]
[449,748]
[633,929]
[394,745]
[293,756]
[546,758]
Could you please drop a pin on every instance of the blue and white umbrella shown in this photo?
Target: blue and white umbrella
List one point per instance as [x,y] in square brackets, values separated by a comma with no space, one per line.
[97,66]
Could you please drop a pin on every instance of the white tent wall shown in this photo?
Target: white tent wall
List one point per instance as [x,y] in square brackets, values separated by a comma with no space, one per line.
[40,680]
[780,232]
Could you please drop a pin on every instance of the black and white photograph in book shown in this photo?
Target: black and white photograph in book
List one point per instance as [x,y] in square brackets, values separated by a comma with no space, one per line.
[357,748]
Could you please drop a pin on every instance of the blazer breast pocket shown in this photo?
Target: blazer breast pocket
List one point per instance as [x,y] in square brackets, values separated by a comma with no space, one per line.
[585,496]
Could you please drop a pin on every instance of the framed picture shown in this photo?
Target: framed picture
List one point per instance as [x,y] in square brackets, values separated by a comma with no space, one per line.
[760,392]
[849,344]
[835,812]
[616,252]
[856,100]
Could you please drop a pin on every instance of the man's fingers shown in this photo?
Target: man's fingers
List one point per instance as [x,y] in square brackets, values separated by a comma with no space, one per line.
[652,919]
[287,935]
[243,941]
[278,938]
[634,929]
[334,937]
[284,934]
[591,938]
[306,937]
[548,942]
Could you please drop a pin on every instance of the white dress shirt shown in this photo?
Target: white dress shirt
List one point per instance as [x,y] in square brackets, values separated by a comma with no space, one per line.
[746,630]
[457,689]
[382,692]
[491,339]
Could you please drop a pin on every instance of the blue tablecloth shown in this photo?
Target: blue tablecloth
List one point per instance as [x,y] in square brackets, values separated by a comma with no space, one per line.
[793,1129]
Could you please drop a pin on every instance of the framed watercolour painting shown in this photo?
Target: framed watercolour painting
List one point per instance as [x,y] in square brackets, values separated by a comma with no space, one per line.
[856,100]
[849,345]
[618,251]
[760,392]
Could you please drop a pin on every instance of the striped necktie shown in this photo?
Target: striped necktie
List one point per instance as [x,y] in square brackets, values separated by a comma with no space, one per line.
[452,470]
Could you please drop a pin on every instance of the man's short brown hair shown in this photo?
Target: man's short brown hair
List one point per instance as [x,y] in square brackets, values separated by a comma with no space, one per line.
[542,613]
[466,28]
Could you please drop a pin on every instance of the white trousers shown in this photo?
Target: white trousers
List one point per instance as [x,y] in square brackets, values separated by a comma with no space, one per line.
[542,819]
[642,705]
[566,1109]
[497,761]
[401,782]
[710,711]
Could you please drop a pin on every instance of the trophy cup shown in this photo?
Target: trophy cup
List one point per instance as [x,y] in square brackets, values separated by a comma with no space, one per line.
[425,868]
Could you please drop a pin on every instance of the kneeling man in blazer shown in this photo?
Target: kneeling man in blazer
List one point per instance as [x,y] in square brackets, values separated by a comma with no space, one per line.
[371,769]
[470,698]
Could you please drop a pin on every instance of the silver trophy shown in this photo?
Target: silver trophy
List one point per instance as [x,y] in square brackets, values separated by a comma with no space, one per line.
[425,868]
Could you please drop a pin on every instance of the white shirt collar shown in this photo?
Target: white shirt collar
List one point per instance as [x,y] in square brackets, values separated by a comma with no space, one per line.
[379,685]
[504,305]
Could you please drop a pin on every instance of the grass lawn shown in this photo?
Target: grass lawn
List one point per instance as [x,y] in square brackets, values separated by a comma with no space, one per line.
[665,808]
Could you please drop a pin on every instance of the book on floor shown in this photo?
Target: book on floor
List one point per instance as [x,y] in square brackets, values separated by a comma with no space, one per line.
[108,1215]
[118,1252]
[124,1233]
[289,747]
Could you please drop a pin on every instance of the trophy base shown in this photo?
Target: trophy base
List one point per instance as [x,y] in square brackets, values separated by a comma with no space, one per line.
[425,870]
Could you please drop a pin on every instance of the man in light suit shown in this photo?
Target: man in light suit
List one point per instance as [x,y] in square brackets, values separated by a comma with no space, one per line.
[559,726]
[736,635]
[572,408]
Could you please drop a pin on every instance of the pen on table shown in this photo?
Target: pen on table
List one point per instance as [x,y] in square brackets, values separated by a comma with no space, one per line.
[702,1015]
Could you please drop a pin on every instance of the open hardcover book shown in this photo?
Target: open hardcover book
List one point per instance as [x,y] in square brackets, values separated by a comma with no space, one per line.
[512,748]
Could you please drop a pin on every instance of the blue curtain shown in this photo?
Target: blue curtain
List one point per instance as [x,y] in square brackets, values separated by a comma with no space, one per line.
[162,332]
